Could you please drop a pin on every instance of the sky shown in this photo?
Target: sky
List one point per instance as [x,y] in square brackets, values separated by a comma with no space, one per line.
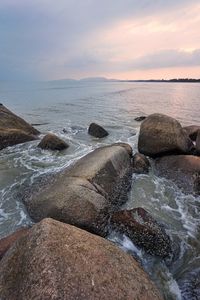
[123,39]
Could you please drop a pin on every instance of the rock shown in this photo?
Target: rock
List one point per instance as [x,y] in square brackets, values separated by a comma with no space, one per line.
[97,131]
[8,241]
[126,146]
[59,261]
[14,130]
[182,169]
[52,142]
[191,131]
[162,135]
[83,194]
[141,164]
[143,230]
[139,119]
[11,137]
[198,143]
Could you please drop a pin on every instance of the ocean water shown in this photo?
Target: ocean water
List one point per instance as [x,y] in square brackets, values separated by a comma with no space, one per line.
[73,106]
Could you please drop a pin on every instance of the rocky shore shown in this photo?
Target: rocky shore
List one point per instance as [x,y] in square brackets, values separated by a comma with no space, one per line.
[65,254]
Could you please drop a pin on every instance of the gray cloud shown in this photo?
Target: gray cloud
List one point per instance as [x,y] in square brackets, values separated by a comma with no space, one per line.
[34,34]
[167,59]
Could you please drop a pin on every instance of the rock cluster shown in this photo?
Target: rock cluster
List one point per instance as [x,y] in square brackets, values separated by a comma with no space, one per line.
[174,147]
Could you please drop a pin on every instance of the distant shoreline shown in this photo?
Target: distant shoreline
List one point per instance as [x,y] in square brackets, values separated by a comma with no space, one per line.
[164,80]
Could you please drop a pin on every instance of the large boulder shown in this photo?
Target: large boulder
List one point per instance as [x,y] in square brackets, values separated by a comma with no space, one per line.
[143,230]
[191,131]
[13,129]
[8,241]
[141,164]
[184,170]
[59,261]
[83,194]
[97,131]
[161,135]
[52,142]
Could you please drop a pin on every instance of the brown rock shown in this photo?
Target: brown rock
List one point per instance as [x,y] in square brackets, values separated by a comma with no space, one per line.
[83,194]
[14,130]
[143,230]
[162,135]
[141,164]
[97,131]
[191,131]
[58,261]
[52,142]
[11,137]
[184,170]
[8,241]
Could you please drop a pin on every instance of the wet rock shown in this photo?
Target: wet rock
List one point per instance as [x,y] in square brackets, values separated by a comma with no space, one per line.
[8,241]
[191,131]
[143,230]
[14,130]
[139,119]
[52,142]
[126,146]
[162,135]
[141,164]
[11,137]
[59,261]
[198,143]
[83,194]
[97,131]
[184,170]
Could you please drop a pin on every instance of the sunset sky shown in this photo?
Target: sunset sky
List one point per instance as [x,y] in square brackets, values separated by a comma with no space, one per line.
[123,39]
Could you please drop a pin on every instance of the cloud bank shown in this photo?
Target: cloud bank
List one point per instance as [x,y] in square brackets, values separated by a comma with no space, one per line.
[122,38]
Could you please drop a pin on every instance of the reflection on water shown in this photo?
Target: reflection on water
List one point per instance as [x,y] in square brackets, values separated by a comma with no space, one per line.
[114,105]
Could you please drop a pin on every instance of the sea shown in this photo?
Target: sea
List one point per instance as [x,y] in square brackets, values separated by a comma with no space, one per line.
[66,108]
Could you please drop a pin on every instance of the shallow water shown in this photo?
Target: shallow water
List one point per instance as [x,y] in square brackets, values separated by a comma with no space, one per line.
[114,105]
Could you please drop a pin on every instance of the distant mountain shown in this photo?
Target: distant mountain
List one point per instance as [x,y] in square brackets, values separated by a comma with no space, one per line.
[97,79]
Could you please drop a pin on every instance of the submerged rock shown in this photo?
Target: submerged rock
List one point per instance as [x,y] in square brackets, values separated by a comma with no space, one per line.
[83,194]
[161,135]
[14,130]
[8,241]
[141,164]
[191,131]
[143,230]
[97,131]
[59,261]
[184,170]
[52,142]
[141,118]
